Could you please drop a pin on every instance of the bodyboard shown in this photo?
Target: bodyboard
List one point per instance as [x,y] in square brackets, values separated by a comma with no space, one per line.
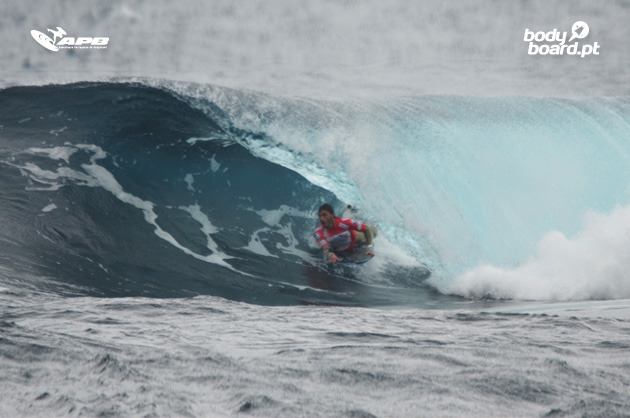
[356,258]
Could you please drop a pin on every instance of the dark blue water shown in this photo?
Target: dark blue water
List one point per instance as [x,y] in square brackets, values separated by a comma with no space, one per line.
[140,209]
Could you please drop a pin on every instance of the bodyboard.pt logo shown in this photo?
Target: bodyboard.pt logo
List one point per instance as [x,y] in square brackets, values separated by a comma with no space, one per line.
[60,41]
[555,42]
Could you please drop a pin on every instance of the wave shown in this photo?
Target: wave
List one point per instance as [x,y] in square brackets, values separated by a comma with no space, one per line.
[123,189]
[172,189]
[592,265]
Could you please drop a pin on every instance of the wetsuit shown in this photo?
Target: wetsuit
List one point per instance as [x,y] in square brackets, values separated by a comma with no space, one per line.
[342,236]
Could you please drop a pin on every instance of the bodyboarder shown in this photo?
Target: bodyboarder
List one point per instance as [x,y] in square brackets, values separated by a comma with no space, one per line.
[341,236]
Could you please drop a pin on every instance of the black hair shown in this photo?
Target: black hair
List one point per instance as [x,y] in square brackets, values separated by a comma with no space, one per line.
[327,207]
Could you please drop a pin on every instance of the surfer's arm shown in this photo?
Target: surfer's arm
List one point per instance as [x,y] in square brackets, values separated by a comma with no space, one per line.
[329,255]
[321,239]
[360,227]
[368,236]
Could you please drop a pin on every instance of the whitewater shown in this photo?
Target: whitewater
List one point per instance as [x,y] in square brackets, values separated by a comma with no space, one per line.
[159,197]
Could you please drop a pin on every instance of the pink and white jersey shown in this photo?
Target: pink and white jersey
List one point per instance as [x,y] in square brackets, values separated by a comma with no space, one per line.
[341,236]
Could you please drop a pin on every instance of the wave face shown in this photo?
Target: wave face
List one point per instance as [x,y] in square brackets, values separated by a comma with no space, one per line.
[170,189]
[114,189]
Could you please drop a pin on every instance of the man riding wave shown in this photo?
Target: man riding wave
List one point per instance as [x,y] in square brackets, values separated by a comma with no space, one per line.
[339,236]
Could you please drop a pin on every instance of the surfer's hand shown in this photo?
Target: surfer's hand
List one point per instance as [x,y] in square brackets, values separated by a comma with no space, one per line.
[370,253]
[332,259]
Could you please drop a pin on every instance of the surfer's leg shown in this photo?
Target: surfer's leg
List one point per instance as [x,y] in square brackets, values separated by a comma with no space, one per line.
[360,239]
[361,236]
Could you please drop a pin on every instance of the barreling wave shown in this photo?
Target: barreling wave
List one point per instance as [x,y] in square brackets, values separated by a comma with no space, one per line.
[123,189]
[164,189]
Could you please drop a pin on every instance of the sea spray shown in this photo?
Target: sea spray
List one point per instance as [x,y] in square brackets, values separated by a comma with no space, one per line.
[594,264]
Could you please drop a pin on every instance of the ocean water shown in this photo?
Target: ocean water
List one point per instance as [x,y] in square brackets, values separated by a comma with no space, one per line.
[158,198]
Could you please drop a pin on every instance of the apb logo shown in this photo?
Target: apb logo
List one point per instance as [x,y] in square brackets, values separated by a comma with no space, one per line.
[59,42]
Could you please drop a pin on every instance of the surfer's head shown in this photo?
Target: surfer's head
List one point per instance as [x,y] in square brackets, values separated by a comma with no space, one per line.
[326,215]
